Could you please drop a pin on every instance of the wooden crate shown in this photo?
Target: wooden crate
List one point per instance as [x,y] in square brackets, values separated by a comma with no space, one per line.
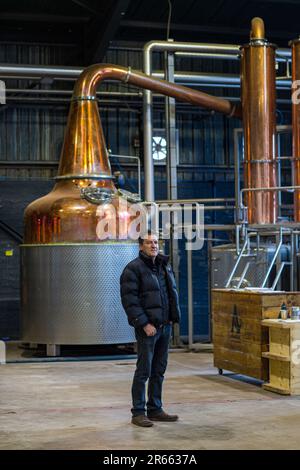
[238,335]
[283,356]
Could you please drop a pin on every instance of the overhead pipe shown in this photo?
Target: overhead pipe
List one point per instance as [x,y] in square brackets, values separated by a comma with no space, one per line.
[31,72]
[37,91]
[39,71]
[171,46]
[259,122]
[183,78]
[209,55]
[203,77]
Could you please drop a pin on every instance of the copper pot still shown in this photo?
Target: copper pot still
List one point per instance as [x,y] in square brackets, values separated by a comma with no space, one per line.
[84,194]
[66,214]
[259,122]
[78,237]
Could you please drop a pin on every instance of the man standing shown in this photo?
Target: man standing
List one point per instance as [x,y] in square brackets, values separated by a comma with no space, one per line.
[150,299]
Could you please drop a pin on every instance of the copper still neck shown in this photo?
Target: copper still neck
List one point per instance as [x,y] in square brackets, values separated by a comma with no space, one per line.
[84,152]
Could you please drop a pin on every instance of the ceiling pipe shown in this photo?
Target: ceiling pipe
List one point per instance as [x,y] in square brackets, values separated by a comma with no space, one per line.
[209,55]
[170,46]
[37,91]
[31,72]
[38,73]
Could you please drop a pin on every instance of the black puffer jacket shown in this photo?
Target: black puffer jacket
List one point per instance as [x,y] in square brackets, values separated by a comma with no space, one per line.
[140,292]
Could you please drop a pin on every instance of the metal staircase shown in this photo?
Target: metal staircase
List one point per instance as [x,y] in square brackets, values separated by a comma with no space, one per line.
[250,250]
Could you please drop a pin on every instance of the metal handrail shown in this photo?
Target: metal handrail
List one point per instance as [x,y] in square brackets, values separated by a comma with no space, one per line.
[271,189]
[283,264]
[273,261]
[243,274]
[236,263]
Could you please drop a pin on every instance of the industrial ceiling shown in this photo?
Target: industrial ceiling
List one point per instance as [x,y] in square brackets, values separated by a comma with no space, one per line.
[92,25]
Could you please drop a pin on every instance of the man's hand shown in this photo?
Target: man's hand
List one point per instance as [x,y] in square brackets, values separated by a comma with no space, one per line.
[149,329]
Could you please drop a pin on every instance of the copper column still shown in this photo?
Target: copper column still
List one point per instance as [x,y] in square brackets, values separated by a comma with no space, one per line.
[259,121]
[77,237]
[296,124]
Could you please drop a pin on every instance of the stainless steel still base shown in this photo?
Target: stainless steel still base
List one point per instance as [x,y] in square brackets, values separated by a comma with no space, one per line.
[71,293]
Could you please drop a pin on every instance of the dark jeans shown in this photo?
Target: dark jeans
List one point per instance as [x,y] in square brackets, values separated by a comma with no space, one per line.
[151,364]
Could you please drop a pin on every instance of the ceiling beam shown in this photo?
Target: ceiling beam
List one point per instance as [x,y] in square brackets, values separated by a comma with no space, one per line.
[46,18]
[105,29]
[201,28]
[86,6]
[281,2]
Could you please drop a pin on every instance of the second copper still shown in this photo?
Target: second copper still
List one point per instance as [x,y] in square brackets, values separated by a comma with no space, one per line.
[259,122]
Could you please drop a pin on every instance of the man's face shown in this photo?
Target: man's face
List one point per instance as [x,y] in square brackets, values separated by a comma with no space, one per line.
[150,245]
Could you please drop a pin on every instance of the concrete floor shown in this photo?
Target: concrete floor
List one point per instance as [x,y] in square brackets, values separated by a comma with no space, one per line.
[86,405]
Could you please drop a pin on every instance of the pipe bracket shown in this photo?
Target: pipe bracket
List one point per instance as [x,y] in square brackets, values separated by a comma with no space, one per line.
[84,98]
[127,76]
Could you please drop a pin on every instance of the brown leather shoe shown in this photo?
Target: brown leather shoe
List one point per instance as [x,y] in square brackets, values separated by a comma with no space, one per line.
[141,420]
[162,416]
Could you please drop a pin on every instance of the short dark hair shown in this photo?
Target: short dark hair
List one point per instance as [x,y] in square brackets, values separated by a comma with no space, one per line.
[146,234]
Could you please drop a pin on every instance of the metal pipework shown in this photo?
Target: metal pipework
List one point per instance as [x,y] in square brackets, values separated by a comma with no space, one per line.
[259,121]
[296,125]
[28,72]
[284,57]
[171,46]
[184,78]
[182,47]
[72,73]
